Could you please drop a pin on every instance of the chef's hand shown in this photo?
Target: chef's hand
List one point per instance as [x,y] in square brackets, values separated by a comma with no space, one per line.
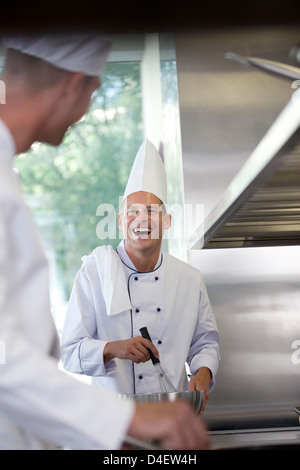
[174,425]
[201,381]
[135,349]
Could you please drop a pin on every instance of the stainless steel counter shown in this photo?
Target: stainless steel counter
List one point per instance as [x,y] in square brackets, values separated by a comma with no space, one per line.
[257,439]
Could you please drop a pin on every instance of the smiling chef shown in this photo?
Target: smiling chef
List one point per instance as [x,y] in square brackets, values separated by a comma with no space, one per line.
[117,292]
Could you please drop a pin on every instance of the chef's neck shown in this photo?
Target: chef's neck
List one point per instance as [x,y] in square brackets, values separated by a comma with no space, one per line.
[144,260]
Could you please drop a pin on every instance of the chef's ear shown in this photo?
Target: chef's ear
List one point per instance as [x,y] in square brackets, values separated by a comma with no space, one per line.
[167,221]
[120,221]
[72,85]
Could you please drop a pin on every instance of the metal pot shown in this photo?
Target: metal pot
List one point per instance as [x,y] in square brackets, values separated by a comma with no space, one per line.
[195,398]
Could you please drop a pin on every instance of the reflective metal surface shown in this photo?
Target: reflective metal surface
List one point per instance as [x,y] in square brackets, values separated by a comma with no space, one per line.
[286,71]
[255,295]
[225,110]
[285,439]
[261,206]
[195,398]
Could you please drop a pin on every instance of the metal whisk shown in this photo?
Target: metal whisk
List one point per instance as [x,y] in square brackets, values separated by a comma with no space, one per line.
[165,383]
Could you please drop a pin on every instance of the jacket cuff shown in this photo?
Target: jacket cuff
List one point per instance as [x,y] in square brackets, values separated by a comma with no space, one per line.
[91,358]
[205,359]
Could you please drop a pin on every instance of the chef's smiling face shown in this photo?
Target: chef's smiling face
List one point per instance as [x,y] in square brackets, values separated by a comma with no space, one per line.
[143,221]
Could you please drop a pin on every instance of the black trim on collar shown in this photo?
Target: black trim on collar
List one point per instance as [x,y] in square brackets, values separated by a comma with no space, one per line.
[141,272]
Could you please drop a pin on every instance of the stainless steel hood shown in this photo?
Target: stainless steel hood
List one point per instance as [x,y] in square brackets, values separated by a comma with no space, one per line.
[261,206]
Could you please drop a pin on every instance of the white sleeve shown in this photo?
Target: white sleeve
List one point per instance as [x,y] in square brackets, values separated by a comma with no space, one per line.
[34,394]
[204,350]
[81,353]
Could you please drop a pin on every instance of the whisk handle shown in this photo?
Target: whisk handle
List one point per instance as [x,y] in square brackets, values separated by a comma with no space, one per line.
[145,334]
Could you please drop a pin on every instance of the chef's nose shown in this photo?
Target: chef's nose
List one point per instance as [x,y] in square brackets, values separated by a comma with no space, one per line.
[142,213]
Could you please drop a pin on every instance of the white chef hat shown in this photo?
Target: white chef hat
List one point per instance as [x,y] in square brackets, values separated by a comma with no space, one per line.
[75,52]
[148,173]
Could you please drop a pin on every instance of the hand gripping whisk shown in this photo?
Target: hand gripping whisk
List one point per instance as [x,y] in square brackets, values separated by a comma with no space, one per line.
[165,383]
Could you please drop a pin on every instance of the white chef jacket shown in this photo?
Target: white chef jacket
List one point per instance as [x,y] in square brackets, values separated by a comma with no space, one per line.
[40,406]
[171,301]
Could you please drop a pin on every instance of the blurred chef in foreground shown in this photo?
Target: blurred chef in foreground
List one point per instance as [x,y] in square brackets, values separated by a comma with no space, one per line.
[49,81]
[118,292]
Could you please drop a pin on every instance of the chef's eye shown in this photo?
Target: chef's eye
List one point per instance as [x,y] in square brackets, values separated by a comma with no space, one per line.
[131,212]
[153,210]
